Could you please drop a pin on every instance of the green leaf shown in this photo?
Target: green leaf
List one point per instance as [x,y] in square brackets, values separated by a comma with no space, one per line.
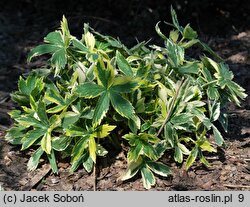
[52,161]
[124,85]
[149,150]
[41,112]
[175,20]
[75,131]
[87,162]
[65,30]
[174,35]
[214,111]
[204,161]
[135,152]
[89,90]
[123,64]
[122,106]
[132,169]
[178,156]
[76,163]
[59,59]
[182,118]
[53,96]
[14,135]
[31,137]
[134,124]
[56,47]
[92,148]
[79,45]
[101,109]
[41,50]
[60,143]
[183,148]
[191,158]
[217,136]
[79,148]
[159,168]
[46,142]
[27,121]
[148,178]
[213,93]
[189,33]
[169,133]
[158,30]
[175,53]
[161,147]
[34,159]
[104,75]
[70,118]
[189,68]
[189,44]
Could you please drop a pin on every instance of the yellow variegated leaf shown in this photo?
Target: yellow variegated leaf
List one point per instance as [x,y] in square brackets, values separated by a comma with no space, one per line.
[104,130]
[46,143]
[89,40]
[207,147]
[92,148]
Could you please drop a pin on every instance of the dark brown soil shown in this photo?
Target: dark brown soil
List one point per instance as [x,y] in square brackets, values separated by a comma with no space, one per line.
[22,26]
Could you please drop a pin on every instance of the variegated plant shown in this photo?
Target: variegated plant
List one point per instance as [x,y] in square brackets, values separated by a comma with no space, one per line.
[159,99]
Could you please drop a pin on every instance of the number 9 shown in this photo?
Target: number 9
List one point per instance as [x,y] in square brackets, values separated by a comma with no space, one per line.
[241,197]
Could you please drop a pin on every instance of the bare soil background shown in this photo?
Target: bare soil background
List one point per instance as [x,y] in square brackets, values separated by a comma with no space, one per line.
[222,24]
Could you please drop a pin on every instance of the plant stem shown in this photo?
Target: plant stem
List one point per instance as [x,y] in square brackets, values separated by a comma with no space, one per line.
[171,108]
[94,177]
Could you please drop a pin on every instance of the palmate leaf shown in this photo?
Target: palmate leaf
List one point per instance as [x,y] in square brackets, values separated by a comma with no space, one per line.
[33,85]
[55,46]
[140,145]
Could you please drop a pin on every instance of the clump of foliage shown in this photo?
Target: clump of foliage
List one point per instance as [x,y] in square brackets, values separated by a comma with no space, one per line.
[157,100]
